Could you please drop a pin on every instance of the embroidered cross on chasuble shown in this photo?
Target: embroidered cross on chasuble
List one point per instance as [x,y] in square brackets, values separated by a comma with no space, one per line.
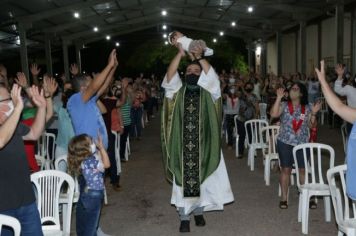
[191,165]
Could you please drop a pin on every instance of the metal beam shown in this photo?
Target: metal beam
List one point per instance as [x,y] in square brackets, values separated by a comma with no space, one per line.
[279,52]
[48,53]
[302,47]
[66,59]
[78,47]
[339,18]
[56,11]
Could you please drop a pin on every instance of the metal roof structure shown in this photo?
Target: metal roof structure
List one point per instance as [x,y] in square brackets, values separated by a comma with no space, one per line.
[55,19]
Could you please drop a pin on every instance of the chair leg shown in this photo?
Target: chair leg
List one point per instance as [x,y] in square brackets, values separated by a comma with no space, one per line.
[300,205]
[237,146]
[252,159]
[340,233]
[267,171]
[64,216]
[327,205]
[105,197]
[279,190]
[305,211]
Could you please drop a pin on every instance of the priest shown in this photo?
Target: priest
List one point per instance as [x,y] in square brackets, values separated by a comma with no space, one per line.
[191,139]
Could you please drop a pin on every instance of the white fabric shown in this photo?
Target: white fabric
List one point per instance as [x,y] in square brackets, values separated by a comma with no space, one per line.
[348,91]
[209,82]
[185,42]
[229,109]
[214,192]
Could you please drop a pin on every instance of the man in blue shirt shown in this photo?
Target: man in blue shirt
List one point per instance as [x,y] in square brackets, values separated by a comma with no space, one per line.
[82,106]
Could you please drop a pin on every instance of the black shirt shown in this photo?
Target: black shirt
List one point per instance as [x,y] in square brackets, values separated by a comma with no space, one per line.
[15,182]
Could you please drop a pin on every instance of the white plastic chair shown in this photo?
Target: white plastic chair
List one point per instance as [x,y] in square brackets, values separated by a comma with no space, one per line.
[344,137]
[117,151]
[314,182]
[10,222]
[344,208]
[324,110]
[255,142]
[263,111]
[270,134]
[43,150]
[236,117]
[49,185]
[127,149]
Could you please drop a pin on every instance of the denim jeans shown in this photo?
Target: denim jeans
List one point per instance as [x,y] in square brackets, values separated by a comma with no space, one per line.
[29,218]
[136,122]
[88,212]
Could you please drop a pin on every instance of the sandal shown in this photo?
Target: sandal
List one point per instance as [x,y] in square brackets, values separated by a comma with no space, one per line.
[283,205]
[312,204]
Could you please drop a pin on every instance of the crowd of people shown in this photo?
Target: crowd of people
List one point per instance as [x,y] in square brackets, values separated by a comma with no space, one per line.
[85,110]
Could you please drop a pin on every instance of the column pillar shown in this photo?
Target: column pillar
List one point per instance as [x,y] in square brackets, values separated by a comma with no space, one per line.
[78,47]
[279,52]
[23,50]
[48,52]
[66,59]
[319,44]
[302,47]
[339,33]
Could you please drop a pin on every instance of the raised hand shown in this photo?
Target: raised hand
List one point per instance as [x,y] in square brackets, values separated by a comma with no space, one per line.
[181,50]
[125,83]
[74,69]
[21,80]
[316,107]
[35,70]
[197,51]
[280,93]
[16,96]
[339,69]
[37,97]
[99,142]
[50,86]
[321,73]
[112,61]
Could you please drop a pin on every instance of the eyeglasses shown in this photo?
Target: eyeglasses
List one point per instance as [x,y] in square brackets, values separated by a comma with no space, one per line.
[6,99]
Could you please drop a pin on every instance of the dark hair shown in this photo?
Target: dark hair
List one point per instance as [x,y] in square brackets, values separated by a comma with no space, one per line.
[78,81]
[303,90]
[65,97]
[249,83]
[195,63]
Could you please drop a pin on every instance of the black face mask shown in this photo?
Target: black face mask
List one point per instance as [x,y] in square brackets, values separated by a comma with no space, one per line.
[192,79]
[249,90]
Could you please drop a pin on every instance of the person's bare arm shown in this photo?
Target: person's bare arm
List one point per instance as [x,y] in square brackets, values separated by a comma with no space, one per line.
[40,119]
[173,66]
[100,79]
[345,112]
[8,128]
[49,86]
[108,80]
[101,107]
[276,110]
[21,80]
[103,154]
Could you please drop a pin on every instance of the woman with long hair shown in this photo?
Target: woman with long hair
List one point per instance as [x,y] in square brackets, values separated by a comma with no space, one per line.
[296,117]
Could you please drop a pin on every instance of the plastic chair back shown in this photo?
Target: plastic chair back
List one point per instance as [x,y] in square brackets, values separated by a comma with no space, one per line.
[10,222]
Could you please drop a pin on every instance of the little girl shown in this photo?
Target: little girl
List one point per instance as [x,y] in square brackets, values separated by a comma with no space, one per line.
[88,165]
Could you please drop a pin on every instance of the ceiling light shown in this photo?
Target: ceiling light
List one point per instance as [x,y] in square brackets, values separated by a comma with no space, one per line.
[95,29]
[164,36]
[221,33]
[250,9]
[164,27]
[233,24]
[166,42]
[76,15]
[108,37]
[164,12]
[117,44]
[215,40]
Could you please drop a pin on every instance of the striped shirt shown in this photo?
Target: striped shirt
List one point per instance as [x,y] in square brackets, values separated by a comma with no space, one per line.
[126,112]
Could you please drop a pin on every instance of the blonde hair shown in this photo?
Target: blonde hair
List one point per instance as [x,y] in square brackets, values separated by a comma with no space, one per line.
[78,150]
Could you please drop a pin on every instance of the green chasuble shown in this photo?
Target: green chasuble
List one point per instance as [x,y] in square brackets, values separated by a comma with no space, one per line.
[190,133]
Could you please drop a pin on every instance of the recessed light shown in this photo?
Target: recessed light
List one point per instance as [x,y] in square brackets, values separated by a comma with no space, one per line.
[95,29]
[215,40]
[164,27]
[108,37]
[221,33]
[166,42]
[76,14]
[164,36]
[117,44]
[164,12]
[250,9]
[233,24]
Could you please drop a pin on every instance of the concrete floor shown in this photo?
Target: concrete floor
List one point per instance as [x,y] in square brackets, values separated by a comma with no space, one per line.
[143,206]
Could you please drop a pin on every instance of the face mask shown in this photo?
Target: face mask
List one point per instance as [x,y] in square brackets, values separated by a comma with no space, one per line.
[249,90]
[294,94]
[232,91]
[11,109]
[93,148]
[231,81]
[192,79]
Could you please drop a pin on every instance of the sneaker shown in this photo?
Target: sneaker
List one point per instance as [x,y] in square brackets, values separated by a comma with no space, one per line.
[184,226]
[199,220]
